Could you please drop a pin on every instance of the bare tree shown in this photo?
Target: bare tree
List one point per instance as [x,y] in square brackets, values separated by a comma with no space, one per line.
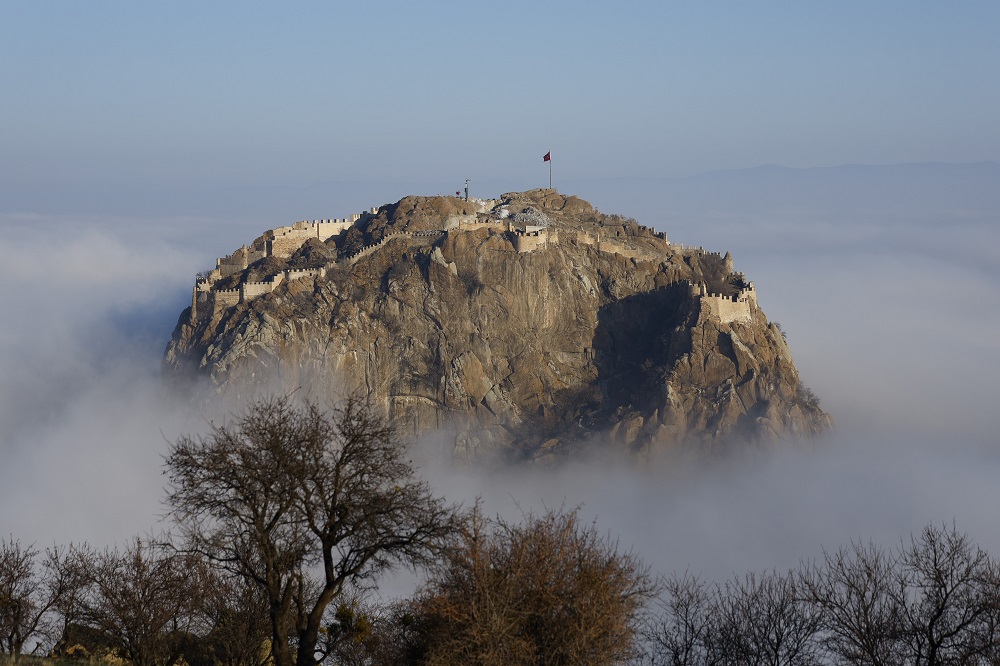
[301,503]
[21,607]
[235,612]
[861,595]
[764,620]
[144,602]
[952,613]
[32,596]
[546,591]
[761,619]
[682,632]
[931,602]
[68,570]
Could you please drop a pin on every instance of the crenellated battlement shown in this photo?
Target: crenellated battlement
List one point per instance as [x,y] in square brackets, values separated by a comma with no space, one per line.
[532,238]
[247,291]
[728,309]
[280,242]
[284,241]
[225,297]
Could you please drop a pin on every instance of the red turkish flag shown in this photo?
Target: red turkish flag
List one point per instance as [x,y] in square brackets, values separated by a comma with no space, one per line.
[548,157]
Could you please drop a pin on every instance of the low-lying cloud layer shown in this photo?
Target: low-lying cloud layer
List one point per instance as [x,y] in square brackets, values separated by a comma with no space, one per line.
[88,306]
[889,306]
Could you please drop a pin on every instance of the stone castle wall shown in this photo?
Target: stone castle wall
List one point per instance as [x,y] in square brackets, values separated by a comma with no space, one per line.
[529,241]
[235,262]
[206,299]
[280,242]
[470,221]
[728,309]
[368,249]
[617,244]
[284,241]
[251,290]
[225,297]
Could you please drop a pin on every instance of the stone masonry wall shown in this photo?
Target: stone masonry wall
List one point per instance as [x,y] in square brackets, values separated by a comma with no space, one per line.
[729,309]
[529,242]
[280,242]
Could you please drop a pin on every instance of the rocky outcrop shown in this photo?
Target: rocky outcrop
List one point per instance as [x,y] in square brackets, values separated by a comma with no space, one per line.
[519,339]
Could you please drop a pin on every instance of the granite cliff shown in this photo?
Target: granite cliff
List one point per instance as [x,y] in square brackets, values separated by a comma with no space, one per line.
[524,326]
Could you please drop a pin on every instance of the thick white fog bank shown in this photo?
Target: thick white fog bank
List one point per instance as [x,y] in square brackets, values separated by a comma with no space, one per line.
[759,512]
[900,343]
[888,304]
[88,305]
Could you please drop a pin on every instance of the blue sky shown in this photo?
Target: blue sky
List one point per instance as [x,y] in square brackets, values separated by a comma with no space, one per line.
[105,102]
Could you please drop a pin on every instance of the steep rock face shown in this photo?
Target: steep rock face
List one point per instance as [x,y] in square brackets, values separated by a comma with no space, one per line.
[523,326]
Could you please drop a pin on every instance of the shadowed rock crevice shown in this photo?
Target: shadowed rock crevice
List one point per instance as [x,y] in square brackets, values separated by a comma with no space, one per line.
[636,339]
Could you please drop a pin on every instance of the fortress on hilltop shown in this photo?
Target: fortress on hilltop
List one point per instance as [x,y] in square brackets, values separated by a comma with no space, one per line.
[528,231]
[529,327]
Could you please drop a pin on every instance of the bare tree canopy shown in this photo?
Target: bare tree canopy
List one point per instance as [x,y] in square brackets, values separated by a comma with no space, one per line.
[951,613]
[33,593]
[756,620]
[145,601]
[21,603]
[235,611]
[934,601]
[303,502]
[861,594]
[765,620]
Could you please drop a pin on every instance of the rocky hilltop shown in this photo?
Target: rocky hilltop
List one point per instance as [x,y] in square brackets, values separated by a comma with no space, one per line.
[524,326]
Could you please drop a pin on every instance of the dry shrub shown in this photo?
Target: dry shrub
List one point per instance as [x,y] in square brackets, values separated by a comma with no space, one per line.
[548,590]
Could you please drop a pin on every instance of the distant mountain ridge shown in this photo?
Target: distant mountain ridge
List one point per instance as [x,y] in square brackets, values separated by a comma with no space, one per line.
[850,166]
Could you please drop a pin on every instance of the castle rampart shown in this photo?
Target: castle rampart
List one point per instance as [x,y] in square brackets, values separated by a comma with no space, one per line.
[284,241]
[247,291]
[236,262]
[728,309]
[298,273]
[368,249]
[251,290]
[529,241]
[468,221]
[225,297]
[280,242]
[616,244]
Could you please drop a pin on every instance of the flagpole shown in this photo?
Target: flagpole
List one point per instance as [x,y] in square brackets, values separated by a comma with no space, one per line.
[550,172]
